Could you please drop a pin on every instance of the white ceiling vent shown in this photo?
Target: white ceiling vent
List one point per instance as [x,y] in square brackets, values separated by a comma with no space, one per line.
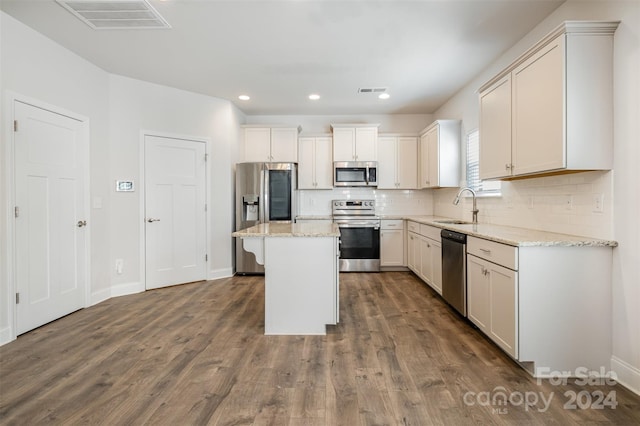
[116,14]
[372,90]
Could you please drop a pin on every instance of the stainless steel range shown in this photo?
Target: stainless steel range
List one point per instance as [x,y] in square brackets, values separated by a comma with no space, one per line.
[359,235]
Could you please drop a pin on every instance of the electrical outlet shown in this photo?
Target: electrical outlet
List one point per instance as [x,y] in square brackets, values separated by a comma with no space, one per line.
[598,203]
[119,266]
[569,202]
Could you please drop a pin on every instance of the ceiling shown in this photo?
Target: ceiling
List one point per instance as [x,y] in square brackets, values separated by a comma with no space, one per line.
[279,52]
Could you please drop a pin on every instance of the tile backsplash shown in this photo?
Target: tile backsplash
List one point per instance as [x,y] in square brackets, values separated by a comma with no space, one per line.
[388,202]
[579,203]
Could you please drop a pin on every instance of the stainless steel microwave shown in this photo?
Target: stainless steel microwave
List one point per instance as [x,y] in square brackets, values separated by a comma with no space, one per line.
[355,173]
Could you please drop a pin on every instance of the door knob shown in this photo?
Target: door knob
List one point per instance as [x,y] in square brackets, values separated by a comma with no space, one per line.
[81,223]
[153,220]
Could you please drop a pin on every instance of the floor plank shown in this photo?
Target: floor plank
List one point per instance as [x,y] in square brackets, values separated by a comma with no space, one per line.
[196,354]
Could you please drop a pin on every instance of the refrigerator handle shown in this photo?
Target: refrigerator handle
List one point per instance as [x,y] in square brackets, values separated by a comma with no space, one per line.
[264,200]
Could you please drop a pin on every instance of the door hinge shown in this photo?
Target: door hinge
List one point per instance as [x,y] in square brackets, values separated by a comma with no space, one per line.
[16,211]
[206,257]
[17,298]
[15,125]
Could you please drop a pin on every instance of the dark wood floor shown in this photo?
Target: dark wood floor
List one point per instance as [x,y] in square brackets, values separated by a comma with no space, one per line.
[196,354]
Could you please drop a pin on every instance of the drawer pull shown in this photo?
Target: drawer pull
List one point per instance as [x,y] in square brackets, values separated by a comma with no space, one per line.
[487,251]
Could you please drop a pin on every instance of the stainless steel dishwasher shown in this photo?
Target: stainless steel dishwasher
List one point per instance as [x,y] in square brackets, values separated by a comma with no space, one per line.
[454,270]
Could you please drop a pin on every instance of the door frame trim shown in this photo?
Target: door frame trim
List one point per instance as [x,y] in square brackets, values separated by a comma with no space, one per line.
[9,333]
[141,186]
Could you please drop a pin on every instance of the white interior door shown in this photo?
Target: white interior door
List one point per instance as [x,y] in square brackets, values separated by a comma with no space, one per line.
[175,211]
[50,219]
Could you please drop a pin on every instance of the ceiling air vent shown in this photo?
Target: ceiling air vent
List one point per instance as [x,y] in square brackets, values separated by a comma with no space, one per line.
[116,14]
[372,90]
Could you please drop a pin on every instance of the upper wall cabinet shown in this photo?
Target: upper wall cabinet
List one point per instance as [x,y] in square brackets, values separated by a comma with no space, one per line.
[355,142]
[398,162]
[440,154]
[270,144]
[315,169]
[551,111]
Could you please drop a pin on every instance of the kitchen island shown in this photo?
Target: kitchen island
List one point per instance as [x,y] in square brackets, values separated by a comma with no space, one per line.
[301,274]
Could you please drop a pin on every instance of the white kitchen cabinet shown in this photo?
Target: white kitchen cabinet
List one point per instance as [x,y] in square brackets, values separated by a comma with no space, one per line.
[413,252]
[353,142]
[535,301]
[492,301]
[270,144]
[315,167]
[392,243]
[424,255]
[439,151]
[398,162]
[495,130]
[551,110]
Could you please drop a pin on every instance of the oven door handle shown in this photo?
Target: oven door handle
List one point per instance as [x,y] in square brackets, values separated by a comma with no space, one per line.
[352,224]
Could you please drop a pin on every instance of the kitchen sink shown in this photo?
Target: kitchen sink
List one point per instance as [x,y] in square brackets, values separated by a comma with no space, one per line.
[453,222]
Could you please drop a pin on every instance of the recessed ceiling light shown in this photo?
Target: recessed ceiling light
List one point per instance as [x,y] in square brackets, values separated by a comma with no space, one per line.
[244,97]
[314,97]
[384,96]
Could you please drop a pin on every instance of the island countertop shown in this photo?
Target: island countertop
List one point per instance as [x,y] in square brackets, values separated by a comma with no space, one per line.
[289,230]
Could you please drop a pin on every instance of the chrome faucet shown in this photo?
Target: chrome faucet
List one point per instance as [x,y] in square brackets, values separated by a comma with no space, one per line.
[475,207]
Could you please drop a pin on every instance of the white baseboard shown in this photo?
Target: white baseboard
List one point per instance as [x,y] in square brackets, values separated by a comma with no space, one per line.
[100,296]
[5,335]
[215,274]
[628,375]
[126,288]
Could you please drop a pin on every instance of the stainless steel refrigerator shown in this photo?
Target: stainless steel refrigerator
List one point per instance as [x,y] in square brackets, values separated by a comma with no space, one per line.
[265,192]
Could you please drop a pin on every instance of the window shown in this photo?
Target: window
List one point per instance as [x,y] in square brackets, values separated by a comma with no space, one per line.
[481,187]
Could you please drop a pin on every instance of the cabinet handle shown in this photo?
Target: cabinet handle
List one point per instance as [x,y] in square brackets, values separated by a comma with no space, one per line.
[485,251]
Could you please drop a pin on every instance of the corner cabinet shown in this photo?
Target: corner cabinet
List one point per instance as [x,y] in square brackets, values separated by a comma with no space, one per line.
[536,301]
[439,154]
[398,162]
[355,142]
[270,144]
[315,167]
[551,111]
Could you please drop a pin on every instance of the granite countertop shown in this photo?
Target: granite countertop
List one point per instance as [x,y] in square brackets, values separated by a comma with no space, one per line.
[519,237]
[289,230]
[315,217]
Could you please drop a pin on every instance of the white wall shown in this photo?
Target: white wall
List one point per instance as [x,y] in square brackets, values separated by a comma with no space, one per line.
[118,108]
[137,106]
[35,67]
[621,187]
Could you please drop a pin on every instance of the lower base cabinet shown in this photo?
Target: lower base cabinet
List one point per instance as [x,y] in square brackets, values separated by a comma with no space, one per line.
[492,296]
[392,243]
[549,307]
[425,254]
